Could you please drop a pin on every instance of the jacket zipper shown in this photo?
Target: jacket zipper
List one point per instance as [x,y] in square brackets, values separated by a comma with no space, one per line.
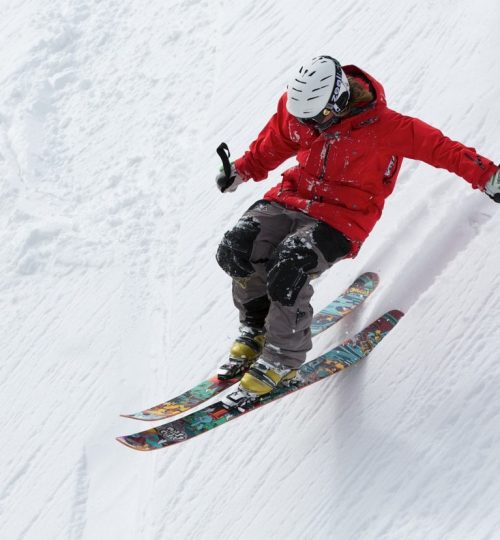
[321,176]
[323,170]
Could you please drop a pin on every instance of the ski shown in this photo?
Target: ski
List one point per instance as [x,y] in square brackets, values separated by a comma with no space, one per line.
[196,423]
[355,295]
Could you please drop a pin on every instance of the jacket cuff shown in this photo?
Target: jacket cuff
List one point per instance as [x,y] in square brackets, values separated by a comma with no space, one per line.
[239,165]
[485,178]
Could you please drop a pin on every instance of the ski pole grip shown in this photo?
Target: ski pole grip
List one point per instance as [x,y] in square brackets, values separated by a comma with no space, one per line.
[221,150]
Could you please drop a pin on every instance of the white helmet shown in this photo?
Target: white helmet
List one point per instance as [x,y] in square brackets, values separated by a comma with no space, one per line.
[320,84]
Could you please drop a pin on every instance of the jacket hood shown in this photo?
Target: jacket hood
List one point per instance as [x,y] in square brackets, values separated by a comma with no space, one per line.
[376,87]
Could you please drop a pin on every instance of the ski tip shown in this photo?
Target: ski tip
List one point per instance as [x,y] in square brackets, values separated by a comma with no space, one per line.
[395,314]
[372,275]
[143,416]
[124,440]
[368,277]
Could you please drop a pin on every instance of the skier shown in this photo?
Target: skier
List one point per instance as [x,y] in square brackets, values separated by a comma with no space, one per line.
[349,146]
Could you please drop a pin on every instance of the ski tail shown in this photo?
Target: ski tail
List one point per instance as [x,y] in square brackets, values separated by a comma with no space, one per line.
[346,302]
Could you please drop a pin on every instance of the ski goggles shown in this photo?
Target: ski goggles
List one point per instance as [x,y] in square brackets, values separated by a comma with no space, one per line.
[331,108]
[323,116]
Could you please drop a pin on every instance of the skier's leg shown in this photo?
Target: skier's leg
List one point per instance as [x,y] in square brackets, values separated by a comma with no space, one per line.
[301,256]
[243,254]
[304,254]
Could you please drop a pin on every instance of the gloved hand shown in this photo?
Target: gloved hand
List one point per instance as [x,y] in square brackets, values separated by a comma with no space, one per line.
[492,187]
[231,183]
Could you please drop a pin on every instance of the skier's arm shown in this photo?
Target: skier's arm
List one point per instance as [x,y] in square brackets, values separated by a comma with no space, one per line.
[412,138]
[271,148]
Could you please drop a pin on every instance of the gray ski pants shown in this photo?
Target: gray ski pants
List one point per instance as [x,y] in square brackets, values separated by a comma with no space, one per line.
[272,254]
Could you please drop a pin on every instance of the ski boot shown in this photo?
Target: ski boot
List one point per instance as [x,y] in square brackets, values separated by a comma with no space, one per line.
[261,379]
[243,353]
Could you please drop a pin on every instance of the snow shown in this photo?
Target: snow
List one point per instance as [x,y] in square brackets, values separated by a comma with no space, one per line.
[110,114]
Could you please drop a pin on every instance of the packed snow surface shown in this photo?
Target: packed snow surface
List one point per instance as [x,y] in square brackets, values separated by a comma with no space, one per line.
[111,299]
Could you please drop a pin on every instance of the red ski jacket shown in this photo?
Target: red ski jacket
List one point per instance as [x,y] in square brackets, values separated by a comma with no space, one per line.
[345,173]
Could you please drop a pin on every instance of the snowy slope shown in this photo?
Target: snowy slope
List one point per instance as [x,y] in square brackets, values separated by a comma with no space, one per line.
[111,299]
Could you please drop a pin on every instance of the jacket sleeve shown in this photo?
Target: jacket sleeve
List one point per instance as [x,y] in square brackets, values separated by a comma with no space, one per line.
[409,137]
[271,148]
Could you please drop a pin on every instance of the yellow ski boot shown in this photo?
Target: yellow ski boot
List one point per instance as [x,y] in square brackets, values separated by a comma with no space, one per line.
[243,353]
[264,377]
[261,379]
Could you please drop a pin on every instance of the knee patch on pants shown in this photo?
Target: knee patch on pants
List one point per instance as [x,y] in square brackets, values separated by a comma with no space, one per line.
[235,249]
[287,271]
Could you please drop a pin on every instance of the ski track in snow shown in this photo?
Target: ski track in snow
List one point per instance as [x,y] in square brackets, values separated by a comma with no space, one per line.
[110,113]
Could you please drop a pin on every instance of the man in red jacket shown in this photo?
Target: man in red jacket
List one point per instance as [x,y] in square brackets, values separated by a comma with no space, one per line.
[349,147]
